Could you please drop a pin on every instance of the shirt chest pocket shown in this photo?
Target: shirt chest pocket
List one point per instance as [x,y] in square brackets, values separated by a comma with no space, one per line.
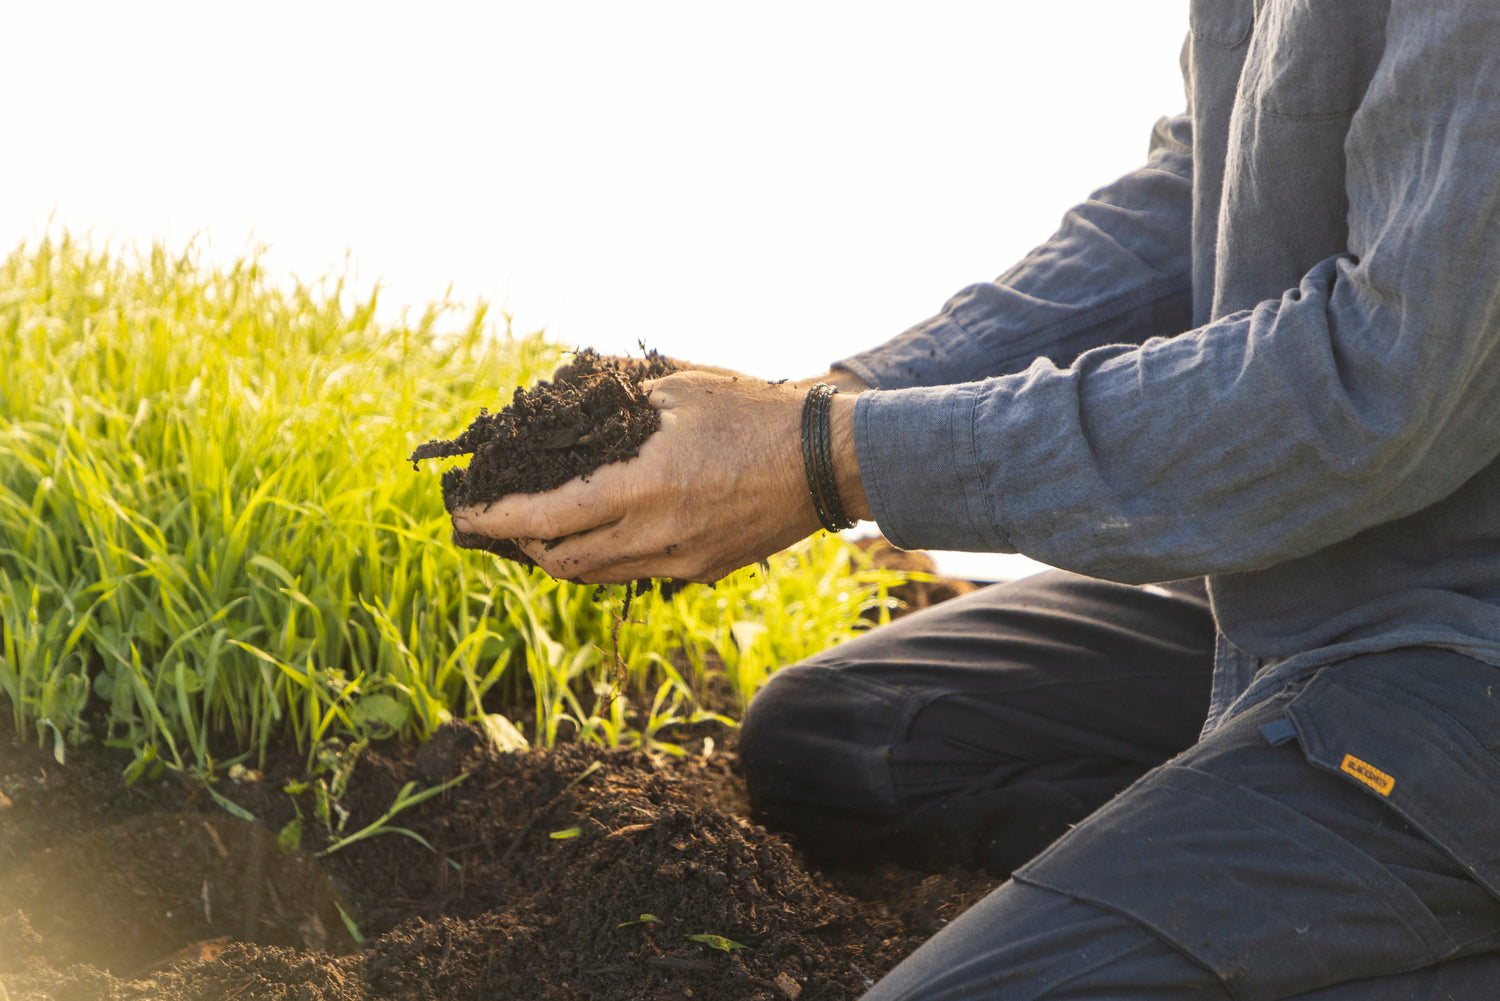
[1312,59]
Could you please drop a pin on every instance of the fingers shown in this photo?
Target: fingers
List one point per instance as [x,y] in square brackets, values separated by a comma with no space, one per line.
[670,391]
[619,552]
[663,384]
[601,558]
[603,555]
[577,506]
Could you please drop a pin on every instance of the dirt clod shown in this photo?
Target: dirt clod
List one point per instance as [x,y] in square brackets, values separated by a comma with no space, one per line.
[499,909]
[593,413]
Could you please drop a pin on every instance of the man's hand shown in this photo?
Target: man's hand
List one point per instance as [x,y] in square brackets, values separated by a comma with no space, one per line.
[718,487]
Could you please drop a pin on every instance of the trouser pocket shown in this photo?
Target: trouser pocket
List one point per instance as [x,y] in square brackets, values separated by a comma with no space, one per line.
[1246,859]
[1420,730]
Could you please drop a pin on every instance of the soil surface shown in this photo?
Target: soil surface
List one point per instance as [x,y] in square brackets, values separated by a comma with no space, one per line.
[576,873]
[592,413]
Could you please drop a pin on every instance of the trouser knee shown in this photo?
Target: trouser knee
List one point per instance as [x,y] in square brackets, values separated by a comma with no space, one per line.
[828,758]
[821,736]
[814,750]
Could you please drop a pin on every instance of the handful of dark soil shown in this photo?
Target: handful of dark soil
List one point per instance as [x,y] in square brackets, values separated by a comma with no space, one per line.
[595,413]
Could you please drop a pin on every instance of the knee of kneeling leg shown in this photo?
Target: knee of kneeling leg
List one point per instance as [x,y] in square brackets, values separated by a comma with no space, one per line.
[768,727]
[815,734]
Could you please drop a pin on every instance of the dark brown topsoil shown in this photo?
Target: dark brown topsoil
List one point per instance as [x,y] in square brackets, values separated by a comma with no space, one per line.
[593,412]
[156,892]
[574,873]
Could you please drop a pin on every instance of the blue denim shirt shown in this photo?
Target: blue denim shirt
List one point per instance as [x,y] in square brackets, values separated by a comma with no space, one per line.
[1268,356]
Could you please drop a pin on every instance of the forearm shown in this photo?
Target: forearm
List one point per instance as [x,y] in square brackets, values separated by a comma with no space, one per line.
[1252,441]
[1361,394]
[845,459]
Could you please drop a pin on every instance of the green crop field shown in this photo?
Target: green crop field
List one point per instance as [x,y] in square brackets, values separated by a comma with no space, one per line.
[211,540]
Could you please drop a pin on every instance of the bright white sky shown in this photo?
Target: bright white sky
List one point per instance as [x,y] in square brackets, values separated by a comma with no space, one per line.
[762,184]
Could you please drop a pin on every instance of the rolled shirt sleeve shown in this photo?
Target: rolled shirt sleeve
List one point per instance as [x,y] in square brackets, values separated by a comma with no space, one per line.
[1117,270]
[1362,395]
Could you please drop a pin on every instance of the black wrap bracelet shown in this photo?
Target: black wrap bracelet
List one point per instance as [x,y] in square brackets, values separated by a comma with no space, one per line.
[817,459]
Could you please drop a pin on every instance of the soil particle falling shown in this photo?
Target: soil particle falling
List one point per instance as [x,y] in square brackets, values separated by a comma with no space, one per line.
[594,412]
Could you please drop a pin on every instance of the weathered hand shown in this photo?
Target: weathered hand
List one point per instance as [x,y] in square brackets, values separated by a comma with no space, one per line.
[718,487]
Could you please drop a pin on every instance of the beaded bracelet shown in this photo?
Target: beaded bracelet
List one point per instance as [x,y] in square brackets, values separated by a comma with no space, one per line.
[817,459]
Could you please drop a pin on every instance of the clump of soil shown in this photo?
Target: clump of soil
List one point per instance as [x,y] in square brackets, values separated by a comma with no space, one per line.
[562,875]
[593,413]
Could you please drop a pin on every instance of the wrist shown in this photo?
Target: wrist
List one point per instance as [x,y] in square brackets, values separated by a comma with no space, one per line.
[817,458]
[845,459]
[829,460]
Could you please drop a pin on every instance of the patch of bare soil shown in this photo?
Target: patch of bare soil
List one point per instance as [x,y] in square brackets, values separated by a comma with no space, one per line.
[559,875]
[576,873]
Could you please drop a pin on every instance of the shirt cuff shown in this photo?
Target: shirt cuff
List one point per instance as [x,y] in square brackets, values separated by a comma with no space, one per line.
[916,456]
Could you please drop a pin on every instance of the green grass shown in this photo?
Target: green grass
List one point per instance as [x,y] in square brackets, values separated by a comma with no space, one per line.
[211,540]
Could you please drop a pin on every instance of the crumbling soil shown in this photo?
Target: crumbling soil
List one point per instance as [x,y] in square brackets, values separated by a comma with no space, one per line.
[594,412]
[575,873]
[553,875]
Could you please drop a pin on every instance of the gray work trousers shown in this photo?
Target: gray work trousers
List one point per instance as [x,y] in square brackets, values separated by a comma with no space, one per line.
[1338,841]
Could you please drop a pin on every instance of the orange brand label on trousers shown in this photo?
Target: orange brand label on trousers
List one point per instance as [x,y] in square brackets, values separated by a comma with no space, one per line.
[1368,774]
